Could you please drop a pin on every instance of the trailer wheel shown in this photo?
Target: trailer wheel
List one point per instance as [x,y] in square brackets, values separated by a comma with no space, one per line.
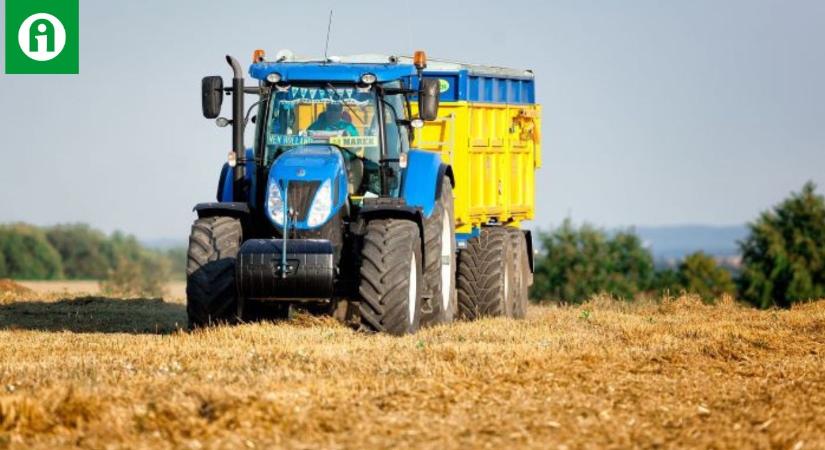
[391,281]
[521,272]
[440,259]
[210,271]
[485,269]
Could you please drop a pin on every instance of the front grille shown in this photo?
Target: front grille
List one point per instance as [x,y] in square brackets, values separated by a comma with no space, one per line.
[300,195]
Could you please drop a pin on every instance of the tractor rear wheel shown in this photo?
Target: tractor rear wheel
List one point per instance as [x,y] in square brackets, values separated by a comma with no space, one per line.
[485,270]
[440,259]
[210,271]
[391,282]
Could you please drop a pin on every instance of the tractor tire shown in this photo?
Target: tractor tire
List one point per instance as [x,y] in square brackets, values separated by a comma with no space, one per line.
[521,273]
[485,269]
[210,271]
[440,258]
[390,277]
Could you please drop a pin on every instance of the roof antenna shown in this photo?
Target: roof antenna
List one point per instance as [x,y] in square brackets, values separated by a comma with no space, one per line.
[329,27]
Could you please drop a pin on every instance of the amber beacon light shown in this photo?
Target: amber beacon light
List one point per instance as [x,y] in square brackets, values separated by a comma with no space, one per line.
[420,59]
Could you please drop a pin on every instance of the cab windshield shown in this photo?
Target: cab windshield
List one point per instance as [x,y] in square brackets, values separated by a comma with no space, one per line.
[344,116]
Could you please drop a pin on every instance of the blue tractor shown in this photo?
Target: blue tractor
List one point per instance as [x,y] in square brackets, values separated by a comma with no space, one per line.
[330,210]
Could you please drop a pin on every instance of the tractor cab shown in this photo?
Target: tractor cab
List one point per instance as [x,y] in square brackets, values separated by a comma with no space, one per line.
[345,117]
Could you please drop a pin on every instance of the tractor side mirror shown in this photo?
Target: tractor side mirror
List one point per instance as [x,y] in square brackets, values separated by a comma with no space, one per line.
[428,96]
[211,96]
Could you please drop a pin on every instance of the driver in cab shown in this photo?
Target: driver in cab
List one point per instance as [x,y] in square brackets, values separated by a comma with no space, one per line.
[333,120]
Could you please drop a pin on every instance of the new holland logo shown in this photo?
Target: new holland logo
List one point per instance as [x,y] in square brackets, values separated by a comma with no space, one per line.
[42,36]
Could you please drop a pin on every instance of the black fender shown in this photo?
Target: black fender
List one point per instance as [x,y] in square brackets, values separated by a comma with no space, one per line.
[238,210]
[384,208]
[444,170]
[528,237]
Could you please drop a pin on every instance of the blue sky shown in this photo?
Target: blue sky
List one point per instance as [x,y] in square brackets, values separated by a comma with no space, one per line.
[654,112]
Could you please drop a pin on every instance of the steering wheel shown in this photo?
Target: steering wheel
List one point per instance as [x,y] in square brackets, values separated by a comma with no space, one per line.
[355,155]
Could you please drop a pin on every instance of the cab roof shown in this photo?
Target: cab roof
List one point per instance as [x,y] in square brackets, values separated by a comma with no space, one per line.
[330,71]
[384,67]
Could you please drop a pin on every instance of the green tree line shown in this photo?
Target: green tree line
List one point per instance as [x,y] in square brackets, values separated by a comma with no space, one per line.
[783,261]
[77,251]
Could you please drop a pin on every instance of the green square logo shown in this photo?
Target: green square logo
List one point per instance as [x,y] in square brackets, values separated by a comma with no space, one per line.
[42,36]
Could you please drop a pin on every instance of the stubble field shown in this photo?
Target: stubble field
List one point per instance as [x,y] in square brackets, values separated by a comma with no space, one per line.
[96,372]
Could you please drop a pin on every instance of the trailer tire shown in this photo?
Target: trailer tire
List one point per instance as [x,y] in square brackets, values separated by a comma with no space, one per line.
[391,282]
[485,269]
[210,271]
[521,273]
[440,277]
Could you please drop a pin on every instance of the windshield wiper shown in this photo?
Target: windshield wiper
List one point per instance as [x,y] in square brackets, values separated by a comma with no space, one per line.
[331,90]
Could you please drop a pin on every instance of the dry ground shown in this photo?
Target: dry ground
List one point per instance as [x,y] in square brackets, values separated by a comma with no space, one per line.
[110,373]
[175,290]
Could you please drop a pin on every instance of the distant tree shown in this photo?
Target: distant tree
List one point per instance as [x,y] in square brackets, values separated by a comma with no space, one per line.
[667,280]
[630,265]
[145,276]
[81,249]
[121,245]
[3,269]
[28,254]
[576,263]
[177,260]
[699,274]
[134,270]
[783,258]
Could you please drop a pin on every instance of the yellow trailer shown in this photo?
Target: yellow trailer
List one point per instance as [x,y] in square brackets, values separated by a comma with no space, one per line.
[488,131]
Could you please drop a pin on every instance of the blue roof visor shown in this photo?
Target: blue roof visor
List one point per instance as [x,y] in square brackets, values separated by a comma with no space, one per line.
[332,72]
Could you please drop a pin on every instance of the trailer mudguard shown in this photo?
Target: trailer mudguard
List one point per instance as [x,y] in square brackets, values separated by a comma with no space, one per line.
[528,236]
[421,183]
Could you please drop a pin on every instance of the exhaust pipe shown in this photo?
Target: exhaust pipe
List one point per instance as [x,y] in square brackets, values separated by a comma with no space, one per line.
[237,127]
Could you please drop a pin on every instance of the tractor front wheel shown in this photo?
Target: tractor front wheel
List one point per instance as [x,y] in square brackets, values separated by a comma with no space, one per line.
[210,271]
[440,259]
[391,284]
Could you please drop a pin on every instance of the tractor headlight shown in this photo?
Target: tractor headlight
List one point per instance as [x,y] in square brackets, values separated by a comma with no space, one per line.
[275,203]
[273,77]
[321,205]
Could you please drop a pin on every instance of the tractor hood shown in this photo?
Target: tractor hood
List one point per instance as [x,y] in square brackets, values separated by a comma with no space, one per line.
[315,181]
[309,162]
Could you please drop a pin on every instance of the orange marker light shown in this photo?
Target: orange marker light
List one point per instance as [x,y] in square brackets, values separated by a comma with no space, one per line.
[258,56]
[420,59]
